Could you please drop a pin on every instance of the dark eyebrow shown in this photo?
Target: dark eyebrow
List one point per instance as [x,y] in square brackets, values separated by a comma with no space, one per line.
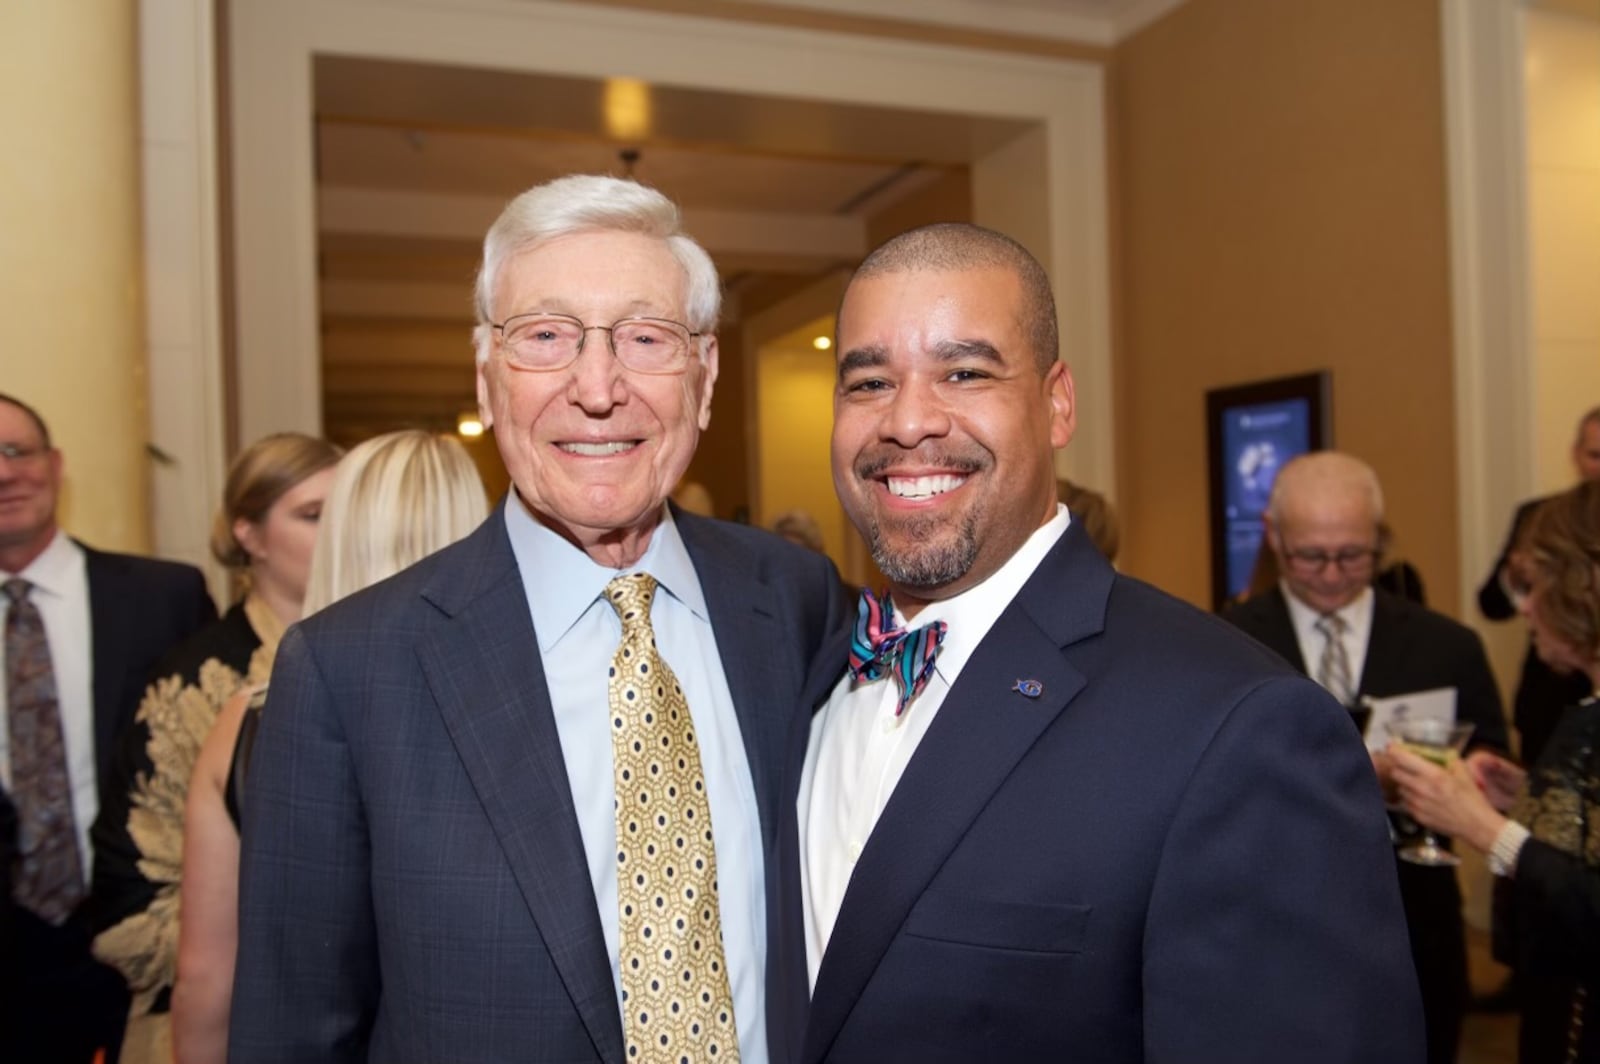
[957,350]
[859,358]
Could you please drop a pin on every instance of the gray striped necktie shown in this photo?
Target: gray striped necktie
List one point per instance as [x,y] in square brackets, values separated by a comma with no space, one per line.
[1333,671]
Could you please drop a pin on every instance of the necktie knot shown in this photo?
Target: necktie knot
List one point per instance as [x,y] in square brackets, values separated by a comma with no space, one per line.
[631,596]
[878,649]
[1331,625]
[16,589]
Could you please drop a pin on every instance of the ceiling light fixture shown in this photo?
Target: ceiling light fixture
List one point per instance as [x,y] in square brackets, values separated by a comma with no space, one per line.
[822,343]
[469,426]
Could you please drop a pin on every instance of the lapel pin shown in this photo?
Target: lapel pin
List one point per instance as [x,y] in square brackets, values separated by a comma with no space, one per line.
[1029,688]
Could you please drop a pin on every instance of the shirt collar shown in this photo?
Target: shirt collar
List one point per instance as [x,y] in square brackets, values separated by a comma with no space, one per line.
[973,612]
[1356,614]
[51,572]
[561,582]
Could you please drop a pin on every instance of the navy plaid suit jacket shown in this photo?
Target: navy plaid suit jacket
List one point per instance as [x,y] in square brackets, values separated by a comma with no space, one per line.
[413,881]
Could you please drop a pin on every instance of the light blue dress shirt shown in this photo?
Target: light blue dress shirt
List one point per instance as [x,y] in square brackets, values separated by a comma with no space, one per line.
[578,632]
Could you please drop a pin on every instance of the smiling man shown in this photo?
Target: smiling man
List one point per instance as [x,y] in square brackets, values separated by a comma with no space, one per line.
[518,802]
[1050,813]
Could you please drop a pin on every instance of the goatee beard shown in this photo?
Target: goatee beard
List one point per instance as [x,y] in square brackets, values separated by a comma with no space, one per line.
[932,560]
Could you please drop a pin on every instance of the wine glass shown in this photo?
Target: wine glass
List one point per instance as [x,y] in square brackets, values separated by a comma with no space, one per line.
[1441,742]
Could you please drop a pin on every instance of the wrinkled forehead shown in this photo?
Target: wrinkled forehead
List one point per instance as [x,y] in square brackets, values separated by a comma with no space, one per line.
[594,271]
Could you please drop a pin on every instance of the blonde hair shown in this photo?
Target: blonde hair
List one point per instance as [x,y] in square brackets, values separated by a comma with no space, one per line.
[395,499]
[260,475]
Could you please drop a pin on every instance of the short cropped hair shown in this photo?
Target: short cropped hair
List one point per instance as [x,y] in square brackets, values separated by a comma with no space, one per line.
[260,475]
[957,246]
[1562,542]
[32,415]
[395,499]
[588,203]
[1590,417]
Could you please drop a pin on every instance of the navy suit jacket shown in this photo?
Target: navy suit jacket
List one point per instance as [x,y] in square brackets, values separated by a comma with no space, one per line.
[1175,852]
[413,884]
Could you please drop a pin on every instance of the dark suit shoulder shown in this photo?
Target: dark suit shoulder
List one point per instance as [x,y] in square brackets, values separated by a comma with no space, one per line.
[771,552]
[150,572]
[1182,633]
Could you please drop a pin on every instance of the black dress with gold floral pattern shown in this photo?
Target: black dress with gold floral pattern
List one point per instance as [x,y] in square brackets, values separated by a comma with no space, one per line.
[1547,918]
[138,836]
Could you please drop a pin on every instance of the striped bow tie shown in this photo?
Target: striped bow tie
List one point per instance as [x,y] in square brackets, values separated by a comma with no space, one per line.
[908,654]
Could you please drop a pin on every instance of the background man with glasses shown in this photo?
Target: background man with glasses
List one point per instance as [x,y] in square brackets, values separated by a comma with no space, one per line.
[1327,620]
[82,630]
[517,802]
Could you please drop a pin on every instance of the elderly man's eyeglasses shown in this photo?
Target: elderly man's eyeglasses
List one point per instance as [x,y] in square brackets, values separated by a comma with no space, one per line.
[1309,562]
[16,452]
[544,342]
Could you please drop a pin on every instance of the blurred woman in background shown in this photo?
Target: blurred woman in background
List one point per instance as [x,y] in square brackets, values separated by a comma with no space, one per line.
[1546,853]
[264,532]
[394,500]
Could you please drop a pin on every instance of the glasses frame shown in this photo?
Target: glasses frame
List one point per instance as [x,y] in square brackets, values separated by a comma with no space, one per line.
[583,338]
[15,452]
[1348,561]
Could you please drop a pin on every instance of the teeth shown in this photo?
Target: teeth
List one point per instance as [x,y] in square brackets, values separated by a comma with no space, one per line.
[598,450]
[924,487]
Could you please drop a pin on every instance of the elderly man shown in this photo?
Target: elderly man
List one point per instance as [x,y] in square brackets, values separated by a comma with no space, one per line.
[1360,641]
[83,628]
[1542,693]
[1064,816]
[517,803]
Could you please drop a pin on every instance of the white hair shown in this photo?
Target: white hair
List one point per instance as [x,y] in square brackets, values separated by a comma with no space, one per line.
[587,202]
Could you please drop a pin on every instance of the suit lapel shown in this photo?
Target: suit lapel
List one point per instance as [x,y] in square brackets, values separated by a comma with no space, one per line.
[482,665]
[1388,647]
[748,644]
[110,614]
[1279,633]
[983,729]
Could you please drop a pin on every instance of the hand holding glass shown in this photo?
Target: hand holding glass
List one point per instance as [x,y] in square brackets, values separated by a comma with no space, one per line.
[1440,742]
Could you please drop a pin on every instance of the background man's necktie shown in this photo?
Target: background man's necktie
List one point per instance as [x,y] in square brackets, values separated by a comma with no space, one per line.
[676,998]
[877,649]
[1333,671]
[50,878]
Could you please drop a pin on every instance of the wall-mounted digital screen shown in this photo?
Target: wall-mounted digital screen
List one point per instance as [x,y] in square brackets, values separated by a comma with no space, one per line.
[1254,430]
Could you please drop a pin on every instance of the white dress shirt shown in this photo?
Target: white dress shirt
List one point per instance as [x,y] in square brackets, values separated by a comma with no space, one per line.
[1357,617]
[859,749]
[61,592]
[578,634]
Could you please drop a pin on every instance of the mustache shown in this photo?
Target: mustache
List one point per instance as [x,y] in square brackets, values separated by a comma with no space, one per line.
[875,462]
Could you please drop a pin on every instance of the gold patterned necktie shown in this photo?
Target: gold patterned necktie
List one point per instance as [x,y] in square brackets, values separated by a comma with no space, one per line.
[1333,671]
[49,879]
[676,1001]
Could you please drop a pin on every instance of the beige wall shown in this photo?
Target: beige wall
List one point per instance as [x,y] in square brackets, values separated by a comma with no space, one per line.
[1281,203]
[71,319]
[1563,98]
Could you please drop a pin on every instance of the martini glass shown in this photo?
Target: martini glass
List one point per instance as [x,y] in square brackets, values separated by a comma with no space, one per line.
[1440,742]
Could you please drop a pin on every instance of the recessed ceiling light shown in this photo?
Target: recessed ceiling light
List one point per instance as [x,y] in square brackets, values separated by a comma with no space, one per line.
[822,343]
